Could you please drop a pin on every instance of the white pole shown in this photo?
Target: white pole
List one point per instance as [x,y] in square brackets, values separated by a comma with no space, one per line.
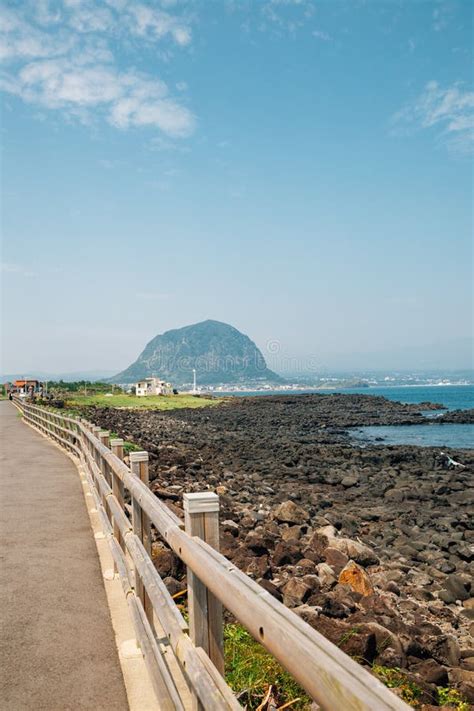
[194,380]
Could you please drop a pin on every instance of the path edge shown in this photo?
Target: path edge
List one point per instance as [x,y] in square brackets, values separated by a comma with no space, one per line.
[138,687]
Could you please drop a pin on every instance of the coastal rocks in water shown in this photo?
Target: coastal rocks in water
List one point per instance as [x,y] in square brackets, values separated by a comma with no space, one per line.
[458,416]
[356,577]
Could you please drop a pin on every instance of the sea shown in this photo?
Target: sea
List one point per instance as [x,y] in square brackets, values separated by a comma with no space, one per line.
[434,434]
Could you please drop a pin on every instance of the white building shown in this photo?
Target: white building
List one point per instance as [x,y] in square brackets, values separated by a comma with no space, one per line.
[152,386]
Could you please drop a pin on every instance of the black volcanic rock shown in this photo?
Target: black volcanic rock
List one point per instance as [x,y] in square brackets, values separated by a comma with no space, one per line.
[288,520]
[219,353]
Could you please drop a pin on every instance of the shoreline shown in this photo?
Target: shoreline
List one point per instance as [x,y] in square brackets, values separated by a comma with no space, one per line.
[310,389]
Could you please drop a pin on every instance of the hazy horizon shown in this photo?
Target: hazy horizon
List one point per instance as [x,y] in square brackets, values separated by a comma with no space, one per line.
[301,170]
[450,357]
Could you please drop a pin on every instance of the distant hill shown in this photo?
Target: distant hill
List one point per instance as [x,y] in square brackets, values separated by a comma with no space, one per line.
[219,353]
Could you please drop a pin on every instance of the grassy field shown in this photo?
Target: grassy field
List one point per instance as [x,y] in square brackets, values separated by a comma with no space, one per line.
[152,402]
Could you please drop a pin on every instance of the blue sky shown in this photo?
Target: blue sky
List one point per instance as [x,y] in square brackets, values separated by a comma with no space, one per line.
[301,170]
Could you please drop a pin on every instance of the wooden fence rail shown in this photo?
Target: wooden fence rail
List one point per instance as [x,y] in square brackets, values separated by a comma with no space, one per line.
[330,677]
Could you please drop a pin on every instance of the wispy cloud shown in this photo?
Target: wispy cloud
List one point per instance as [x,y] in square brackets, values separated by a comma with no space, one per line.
[281,17]
[155,23]
[448,110]
[319,34]
[158,143]
[441,17]
[59,56]
[17,269]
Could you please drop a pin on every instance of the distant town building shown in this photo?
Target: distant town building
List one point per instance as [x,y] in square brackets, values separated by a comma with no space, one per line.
[153,386]
[25,387]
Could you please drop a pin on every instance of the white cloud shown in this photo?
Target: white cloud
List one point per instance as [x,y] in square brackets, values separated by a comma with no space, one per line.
[91,19]
[450,110]
[21,41]
[46,14]
[150,22]
[124,99]
[69,65]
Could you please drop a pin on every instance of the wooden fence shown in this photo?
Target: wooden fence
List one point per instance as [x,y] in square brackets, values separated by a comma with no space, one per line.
[330,677]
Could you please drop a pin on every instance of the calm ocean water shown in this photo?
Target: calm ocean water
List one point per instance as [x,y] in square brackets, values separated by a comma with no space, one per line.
[452,397]
[432,435]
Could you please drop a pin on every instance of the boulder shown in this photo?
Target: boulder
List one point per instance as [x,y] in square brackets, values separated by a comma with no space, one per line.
[286,553]
[350,480]
[326,537]
[464,680]
[389,652]
[326,576]
[231,526]
[174,586]
[335,558]
[456,588]
[308,614]
[356,577]
[444,649]
[271,588]
[430,671]
[289,512]
[258,567]
[352,639]
[256,543]
[338,603]
[292,532]
[165,562]
[357,551]
[295,592]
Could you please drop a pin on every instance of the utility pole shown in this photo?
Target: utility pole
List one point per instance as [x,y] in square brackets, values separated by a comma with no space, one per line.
[194,381]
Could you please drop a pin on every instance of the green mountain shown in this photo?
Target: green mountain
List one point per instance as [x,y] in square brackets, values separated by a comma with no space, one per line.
[219,353]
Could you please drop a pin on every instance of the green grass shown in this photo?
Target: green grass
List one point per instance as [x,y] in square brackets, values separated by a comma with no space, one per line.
[250,670]
[410,692]
[127,446]
[451,697]
[152,402]
[395,679]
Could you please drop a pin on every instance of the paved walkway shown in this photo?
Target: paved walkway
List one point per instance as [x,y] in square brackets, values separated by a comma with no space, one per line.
[57,643]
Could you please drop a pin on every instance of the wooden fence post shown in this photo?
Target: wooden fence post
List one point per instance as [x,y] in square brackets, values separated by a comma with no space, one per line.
[104,438]
[95,454]
[116,445]
[141,525]
[201,517]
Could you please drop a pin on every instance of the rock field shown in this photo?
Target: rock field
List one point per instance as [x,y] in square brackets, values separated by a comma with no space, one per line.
[372,546]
